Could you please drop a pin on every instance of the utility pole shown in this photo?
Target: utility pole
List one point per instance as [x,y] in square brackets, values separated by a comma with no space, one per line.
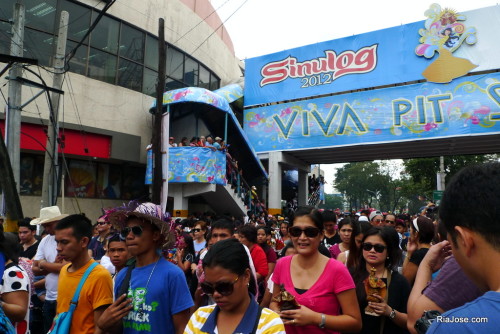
[50,179]
[157,128]
[441,175]
[13,116]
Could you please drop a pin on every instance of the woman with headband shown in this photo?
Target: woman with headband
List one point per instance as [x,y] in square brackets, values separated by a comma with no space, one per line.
[422,232]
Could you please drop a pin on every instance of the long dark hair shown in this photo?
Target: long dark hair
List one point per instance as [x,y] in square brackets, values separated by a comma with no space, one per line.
[230,254]
[358,227]
[267,231]
[389,235]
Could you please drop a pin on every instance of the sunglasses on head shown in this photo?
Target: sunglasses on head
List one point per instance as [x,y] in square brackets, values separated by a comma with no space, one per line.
[136,230]
[378,248]
[223,288]
[310,232]
[196,230]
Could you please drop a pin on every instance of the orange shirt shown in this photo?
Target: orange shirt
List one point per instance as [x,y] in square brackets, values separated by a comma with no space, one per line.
[97,291]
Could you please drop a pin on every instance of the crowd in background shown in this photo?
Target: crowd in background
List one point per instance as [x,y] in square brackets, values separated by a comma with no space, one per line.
[315,271]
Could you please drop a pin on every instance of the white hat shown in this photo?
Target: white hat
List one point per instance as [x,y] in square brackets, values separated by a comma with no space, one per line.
[48,215]
[218,138]
[363,219]
[375,213]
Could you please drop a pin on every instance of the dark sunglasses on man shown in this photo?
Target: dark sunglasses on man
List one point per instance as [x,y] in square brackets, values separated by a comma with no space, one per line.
[136,230]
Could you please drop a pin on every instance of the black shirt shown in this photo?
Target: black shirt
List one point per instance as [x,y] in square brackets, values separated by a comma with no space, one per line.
[329,242]
[30,252]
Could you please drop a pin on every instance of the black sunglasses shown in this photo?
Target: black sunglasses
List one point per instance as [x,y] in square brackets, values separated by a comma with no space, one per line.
[310,232]
[196,230]
[378,248]
[224,288]
[136,230]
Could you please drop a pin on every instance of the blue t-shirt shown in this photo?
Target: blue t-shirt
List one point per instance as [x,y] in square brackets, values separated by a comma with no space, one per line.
[154,304]
[478,316]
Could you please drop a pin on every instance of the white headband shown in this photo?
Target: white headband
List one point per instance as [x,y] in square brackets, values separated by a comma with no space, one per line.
[415,224]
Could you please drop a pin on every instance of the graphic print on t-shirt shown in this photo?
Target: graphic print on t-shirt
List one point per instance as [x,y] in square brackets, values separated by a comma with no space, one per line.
[138,318]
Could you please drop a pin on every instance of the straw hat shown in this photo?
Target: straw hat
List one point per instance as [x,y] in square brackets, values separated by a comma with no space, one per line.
[148,212]
[48,215]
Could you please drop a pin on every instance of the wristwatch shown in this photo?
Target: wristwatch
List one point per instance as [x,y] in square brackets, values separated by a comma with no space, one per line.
[323,321]
[392,315]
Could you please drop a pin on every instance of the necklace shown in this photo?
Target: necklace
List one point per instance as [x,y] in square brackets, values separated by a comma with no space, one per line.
[141,311]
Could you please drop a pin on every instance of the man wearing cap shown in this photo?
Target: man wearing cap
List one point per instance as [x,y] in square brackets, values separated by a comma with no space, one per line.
[46,262]
[376,218]
[153,296]
[217,143]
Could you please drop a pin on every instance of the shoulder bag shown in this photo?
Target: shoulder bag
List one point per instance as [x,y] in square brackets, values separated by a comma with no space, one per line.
[62,322]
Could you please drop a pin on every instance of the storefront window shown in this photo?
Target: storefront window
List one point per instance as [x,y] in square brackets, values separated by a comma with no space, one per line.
[39,45]
[191,72]
[149,82]
[31,174]
[105,35]
[132,44]
[40,15]
[77,64]
[133,183]
[82,179]
[109,179]
[79,18]
[151,59]
[204,78]
[175,62]
[5,29]
[129,75]
[102,66]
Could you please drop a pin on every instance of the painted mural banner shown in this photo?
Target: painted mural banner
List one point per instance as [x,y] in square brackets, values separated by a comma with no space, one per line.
[394,55]
[467,106]
[196,164]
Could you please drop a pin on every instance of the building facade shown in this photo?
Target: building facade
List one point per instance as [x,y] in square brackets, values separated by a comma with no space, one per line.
[109,87]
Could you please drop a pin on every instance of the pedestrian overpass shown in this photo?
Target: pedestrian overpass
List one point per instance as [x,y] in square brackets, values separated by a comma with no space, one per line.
[424,89]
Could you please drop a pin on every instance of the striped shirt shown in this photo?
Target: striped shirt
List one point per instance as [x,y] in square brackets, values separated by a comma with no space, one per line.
[200,322]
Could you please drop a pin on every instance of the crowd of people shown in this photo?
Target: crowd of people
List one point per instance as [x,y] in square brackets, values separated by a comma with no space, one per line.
[312,272]
[216,143]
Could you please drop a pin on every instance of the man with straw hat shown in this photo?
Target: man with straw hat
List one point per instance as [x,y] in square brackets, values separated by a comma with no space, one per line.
[154,295]
[46,262]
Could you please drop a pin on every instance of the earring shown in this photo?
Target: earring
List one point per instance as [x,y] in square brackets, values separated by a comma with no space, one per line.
[248,285]
[387,258]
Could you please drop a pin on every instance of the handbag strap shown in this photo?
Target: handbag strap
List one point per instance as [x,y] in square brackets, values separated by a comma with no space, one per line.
[76,296]
[254,330]
[386,298]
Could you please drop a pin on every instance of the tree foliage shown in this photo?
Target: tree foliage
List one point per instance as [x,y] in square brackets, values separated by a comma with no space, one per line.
[387,187]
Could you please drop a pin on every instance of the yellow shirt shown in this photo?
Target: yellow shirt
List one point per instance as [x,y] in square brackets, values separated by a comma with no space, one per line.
[269,322]
[96,292]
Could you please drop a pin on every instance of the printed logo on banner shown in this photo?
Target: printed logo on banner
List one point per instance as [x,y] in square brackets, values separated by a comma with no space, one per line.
[321,70]
[444,34]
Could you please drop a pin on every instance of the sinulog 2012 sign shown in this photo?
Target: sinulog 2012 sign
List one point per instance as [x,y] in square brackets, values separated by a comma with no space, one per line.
[440,51]
[445,46]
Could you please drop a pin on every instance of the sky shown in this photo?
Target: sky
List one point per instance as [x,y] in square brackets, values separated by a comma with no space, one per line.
[260,27]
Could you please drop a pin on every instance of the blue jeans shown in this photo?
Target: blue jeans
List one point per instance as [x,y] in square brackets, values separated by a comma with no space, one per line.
[49,312]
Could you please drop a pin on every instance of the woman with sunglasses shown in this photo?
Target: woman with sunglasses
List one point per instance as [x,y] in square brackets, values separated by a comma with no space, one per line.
[321,286]
[199,231]
[422,231]
[228,279]
[380,250]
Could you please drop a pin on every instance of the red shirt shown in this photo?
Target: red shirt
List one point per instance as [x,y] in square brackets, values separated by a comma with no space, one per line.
[259,259]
